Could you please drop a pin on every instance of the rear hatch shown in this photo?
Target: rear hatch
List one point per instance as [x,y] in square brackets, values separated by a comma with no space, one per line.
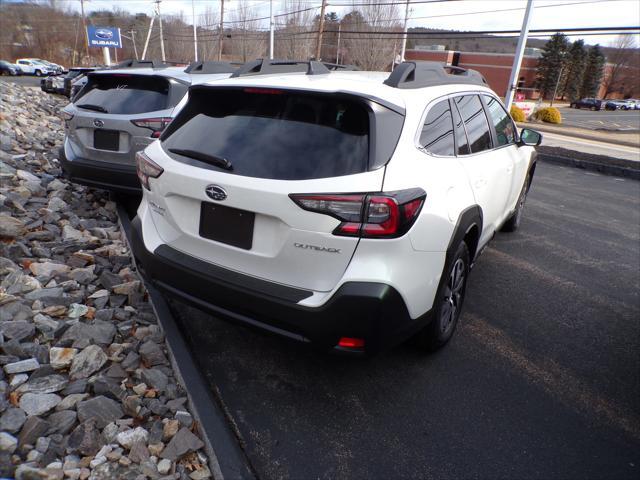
[232,159]
[118,114]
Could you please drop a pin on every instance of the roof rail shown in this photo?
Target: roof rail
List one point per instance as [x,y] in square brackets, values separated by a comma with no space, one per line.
[131,63]
[428,74]
[265,66]
[338,66]
[212,67]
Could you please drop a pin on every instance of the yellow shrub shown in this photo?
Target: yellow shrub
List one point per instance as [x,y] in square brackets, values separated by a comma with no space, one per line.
[549,115]
[517,114]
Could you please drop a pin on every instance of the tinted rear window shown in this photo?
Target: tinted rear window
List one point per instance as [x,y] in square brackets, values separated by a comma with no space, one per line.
[126,94]
[274,133]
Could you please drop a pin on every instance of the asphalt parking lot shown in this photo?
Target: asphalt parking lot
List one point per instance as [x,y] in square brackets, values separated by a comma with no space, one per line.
[24,80]
[541,380]
[601,120]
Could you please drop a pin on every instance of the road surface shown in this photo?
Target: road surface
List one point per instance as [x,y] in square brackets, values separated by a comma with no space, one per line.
[540,382]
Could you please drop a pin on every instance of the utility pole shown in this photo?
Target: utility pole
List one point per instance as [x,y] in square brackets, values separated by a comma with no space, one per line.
[221,30]
[338,46]
[195,32]
[517,59]
[404,33]
[319,40]
[146,42]
[86,32]
[555,90]
[161,33]
[133,40]
[271,29]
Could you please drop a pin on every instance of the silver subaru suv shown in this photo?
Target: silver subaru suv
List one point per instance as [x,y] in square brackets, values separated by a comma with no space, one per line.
[119,112]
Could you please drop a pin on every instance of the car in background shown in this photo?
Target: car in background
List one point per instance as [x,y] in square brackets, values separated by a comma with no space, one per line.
[51,84]
[7,68]
[57,69]
[73,74]
[590,103]
[29,66]
[119,112]
[619,105]
[635,102]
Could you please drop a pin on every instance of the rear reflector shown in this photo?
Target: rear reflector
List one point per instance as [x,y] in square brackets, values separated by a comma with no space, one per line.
[347,342]
[373,215]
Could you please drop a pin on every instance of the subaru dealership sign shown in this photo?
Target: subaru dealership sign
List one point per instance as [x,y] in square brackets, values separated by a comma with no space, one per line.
[104,37]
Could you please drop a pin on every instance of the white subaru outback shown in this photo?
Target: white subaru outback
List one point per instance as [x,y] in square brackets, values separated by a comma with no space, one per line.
[343,209]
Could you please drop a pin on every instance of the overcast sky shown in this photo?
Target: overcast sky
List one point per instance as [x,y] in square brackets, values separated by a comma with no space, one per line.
[459,15]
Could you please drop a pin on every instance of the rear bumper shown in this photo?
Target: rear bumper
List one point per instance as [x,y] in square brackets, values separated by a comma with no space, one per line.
[371,311]
[106,176]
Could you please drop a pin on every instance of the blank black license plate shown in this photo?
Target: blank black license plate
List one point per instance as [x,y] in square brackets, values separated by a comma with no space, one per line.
[106,140]
[227,225]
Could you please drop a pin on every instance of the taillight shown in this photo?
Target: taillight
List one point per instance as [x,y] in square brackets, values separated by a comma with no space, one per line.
[146,169]
[369,215]
[157,125]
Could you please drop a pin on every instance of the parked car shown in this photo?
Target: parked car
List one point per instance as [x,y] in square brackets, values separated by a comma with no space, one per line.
[590,103]
[7,68]
[340,208]
[120,111]
[73,74]
[635,102]
[619,105]
[54,67]
[51,84]
[34,67]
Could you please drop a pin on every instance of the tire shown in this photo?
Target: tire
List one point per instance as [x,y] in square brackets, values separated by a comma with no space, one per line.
[38,73]
[513,223]
[447,304]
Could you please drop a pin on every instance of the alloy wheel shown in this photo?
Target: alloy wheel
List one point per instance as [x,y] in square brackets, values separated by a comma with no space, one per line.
[453,297]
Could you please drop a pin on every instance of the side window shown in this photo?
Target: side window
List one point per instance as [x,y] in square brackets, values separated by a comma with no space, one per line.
[505,130]
[475,121]
[437,131]
[461,135]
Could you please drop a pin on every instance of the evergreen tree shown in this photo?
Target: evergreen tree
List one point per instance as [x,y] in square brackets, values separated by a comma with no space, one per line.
[551,62]
[574,70]
[593,72]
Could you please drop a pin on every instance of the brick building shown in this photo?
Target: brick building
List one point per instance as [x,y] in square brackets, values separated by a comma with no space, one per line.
[496,67]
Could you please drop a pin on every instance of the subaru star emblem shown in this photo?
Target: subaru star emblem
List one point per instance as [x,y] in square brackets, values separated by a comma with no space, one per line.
[98,123]
[104,33]
[215,192]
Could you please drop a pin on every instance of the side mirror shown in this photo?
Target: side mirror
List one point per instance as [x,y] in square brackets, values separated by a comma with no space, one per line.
[530,137]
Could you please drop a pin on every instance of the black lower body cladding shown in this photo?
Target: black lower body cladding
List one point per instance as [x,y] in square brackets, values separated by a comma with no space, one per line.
[115,178]
[374,312]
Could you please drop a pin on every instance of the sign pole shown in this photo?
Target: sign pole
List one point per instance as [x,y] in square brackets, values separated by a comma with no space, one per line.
[146,42]
[195,34]
[517,59]
[107,56]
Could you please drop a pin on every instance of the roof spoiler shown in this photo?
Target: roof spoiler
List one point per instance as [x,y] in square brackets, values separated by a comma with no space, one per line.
[427,74]
[131,63]
[212,67]
[265,66]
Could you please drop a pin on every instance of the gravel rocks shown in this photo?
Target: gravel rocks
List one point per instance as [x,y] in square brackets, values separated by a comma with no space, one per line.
[86,387]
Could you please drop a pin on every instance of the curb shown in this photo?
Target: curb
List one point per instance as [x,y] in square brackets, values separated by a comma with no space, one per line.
[604,168]
[585,136]
[227,459]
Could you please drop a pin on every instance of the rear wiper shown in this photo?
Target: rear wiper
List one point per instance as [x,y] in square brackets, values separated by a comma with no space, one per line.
[205,157]
[89,106]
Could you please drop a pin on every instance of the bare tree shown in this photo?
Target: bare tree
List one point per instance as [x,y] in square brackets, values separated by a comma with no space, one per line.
[619,62]
[370,50]
[294,38]
[208,33]
[247,42]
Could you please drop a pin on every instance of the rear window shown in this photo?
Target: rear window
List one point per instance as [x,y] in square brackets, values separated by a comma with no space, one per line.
[273,134]
[127,94]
